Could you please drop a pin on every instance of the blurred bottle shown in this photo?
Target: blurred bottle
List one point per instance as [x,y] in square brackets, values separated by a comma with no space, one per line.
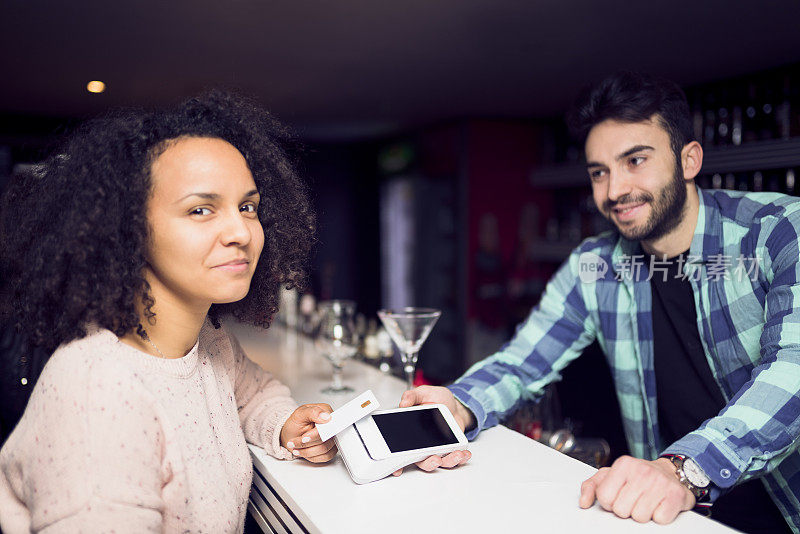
[758,181]
[371,353]
[385,350]
[730,181]
[716,181]
[768,127]
[736,118]
[790,185]
[710,121]
[360,330]
[724,127]
[697,117]
[794,105]
[743,181]
[774,181]
[308,308]
[287,310]
[750,122]
[783,115]
[592,451]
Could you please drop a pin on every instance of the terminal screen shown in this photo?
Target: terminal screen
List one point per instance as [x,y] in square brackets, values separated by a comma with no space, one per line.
[414,429]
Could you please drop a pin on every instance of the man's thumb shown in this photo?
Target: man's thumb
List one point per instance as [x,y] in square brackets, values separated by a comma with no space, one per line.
[409,398]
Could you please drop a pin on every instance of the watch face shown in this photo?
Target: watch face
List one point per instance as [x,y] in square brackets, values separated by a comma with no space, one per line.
[694,474]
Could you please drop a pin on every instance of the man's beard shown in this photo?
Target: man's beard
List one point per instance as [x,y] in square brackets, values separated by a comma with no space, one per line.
[666,210]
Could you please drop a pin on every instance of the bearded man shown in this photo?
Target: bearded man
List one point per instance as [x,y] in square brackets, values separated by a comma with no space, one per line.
[695,300]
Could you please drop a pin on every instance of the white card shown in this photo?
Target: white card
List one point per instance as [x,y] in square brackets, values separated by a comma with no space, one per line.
[348,414]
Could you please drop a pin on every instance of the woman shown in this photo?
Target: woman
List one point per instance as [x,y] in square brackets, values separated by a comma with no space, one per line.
[123,251]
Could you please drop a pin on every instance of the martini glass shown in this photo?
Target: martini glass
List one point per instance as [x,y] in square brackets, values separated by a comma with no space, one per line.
[409,328]
[336,339]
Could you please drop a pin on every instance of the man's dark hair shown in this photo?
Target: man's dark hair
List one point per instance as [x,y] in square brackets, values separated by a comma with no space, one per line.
[74,233]
[634,97]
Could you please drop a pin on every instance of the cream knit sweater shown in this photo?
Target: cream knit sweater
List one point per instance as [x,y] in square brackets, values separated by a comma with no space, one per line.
[116,440]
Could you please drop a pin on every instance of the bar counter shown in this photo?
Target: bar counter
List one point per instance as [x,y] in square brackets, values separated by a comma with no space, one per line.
[511,482]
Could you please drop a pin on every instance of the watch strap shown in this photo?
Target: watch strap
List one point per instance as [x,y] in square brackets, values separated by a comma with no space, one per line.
[701,495]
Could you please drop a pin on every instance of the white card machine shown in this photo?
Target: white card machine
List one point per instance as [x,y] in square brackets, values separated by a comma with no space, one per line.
[381,443]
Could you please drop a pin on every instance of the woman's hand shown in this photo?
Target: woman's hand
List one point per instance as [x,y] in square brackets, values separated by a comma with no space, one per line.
[299,433]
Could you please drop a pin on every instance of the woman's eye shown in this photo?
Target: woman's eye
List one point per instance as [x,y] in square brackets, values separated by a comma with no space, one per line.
[200,211]
[249,208]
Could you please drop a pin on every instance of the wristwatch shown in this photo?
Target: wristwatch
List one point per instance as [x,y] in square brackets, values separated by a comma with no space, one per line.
[690,475]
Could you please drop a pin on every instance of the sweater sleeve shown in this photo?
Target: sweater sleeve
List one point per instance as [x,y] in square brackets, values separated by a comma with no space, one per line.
[86,456]
[264,403]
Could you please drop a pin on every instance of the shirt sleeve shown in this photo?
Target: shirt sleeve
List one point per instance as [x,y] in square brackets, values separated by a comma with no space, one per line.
[760,425]
[554,334]
[263,402]
[88,455]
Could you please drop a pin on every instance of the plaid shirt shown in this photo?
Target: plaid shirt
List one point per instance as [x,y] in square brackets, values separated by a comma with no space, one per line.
[749,326]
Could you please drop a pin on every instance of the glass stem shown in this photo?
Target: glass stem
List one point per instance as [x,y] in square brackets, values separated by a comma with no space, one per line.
[409,366]
[337,378]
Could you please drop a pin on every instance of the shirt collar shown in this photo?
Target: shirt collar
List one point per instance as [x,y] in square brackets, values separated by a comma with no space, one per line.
[707,240]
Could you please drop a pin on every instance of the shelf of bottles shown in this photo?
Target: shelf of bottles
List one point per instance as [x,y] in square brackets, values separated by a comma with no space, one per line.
[750,131]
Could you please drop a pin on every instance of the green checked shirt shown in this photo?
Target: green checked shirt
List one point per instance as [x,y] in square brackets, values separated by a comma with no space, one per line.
[744,270]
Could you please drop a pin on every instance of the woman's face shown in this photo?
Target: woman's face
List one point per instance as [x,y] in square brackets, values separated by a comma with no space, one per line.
[206,237]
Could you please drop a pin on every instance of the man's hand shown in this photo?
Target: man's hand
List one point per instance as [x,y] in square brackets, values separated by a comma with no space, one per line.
[439,395]
[639,489]
[463,417]
[299,433]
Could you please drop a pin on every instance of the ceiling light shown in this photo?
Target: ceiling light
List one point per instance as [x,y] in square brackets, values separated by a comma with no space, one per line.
[95,86]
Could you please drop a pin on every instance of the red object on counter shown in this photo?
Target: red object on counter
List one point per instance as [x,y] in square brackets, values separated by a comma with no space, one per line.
[420,380]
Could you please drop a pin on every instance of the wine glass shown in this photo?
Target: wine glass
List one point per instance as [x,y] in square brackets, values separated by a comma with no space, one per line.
[336,339]
[409,328]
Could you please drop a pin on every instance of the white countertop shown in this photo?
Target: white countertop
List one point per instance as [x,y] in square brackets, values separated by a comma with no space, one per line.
[510,482]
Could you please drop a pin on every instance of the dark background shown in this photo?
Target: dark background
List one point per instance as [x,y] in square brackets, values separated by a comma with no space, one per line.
[470,93]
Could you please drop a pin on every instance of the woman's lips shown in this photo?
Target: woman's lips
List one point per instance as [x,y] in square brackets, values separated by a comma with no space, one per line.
[234,267]
[627,213]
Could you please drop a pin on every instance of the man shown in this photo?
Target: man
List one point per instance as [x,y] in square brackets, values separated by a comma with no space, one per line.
[695,300]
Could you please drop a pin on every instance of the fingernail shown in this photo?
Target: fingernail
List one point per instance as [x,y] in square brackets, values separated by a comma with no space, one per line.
[306,439]
[290,445]
[296,452]
[325,416]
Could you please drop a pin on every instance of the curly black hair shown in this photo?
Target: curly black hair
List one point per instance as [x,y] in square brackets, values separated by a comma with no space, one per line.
[74,234]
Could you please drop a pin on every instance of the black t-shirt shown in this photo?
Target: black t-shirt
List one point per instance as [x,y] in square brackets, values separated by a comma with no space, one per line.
[687,393]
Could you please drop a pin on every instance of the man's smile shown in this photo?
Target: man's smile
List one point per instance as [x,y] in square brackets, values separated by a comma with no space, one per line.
[627,212]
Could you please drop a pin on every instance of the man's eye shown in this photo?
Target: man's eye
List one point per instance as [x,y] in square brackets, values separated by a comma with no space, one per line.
[200,211]
[637,160]
[597,174]
[249,208]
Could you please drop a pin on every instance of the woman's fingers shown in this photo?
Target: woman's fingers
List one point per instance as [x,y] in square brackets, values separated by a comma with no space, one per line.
[314,451]
[321,453]
[300,429]
[307,439]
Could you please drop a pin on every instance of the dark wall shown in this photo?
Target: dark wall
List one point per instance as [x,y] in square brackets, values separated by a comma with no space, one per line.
[344,190]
